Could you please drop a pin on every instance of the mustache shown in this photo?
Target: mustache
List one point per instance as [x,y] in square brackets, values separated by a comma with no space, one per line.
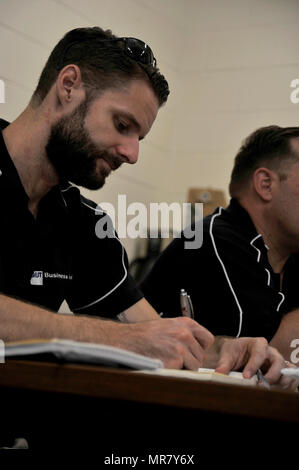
[112,160]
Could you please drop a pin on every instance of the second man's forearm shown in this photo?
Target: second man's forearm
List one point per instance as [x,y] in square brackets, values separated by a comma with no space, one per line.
[140,311]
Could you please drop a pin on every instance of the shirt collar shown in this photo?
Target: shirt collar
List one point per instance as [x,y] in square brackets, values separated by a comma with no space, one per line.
[241,218]
[243,221]
[9,178]
[11,182]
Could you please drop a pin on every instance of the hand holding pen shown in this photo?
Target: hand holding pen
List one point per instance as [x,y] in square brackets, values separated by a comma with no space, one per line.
[187,311]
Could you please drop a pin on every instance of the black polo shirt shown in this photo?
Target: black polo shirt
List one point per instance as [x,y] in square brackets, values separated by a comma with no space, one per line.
[232,285]
[57,255]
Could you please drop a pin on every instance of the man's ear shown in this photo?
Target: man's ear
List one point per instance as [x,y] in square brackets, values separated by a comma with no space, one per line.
[264,183]
[70,90]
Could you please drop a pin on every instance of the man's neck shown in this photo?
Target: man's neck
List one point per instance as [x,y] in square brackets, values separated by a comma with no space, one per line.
[277,257]
[278,251]
[25,139]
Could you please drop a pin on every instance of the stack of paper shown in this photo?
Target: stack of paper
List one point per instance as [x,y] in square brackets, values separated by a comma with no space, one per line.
[75,351]
[208,375]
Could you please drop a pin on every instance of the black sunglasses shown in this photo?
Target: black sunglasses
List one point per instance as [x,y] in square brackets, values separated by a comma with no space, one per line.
[133,48]
[137,50]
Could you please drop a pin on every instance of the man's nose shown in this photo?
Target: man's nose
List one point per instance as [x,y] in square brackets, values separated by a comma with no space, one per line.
[129,150]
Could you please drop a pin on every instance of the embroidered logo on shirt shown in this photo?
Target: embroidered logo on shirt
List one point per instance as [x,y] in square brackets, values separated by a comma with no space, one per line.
[38,277]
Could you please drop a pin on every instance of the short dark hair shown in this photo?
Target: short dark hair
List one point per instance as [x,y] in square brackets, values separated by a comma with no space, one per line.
[267,146]
[103,64]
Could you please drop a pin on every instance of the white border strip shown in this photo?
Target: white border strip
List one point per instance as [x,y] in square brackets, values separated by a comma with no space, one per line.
[267,271]
[282,300]
[225,272]
[123,260]
[259,252]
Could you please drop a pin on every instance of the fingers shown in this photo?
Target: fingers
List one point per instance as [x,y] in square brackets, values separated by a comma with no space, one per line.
[249,353]
[202,335]
[191,362]
[275,363]
[274,376]
[194,339]
[289,383]
[259,351]
[228,357]
[190,341]
[268,357]
[178,342]
[182,354]
[286,383]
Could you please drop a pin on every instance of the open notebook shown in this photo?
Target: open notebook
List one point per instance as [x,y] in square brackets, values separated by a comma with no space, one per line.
[76,351]
[90,353]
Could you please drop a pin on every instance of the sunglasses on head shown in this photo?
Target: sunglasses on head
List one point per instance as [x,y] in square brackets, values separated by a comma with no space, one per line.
[132,47]
[137,50]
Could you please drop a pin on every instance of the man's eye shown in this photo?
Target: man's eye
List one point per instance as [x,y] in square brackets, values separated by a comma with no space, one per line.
[122,126]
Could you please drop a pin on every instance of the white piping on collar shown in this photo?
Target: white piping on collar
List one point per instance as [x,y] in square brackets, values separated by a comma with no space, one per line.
[267,271]
[259,252]
[282,300]
[64,190]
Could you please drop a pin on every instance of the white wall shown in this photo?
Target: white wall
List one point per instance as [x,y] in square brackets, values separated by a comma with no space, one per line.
[229,64]
[237,80]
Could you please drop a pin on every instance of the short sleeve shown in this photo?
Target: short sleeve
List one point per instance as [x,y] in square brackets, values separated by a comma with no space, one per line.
[101,282]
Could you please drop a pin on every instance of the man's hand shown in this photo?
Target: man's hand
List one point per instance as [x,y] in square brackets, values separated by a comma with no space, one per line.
[178,342]
[253,354]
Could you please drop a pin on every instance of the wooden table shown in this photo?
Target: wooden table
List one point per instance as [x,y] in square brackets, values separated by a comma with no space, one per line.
[117,410]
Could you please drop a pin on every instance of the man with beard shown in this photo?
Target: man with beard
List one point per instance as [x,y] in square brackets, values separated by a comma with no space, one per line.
[97,97]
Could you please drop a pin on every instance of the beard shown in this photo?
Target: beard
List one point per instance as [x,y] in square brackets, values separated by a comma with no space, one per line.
[75,156]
